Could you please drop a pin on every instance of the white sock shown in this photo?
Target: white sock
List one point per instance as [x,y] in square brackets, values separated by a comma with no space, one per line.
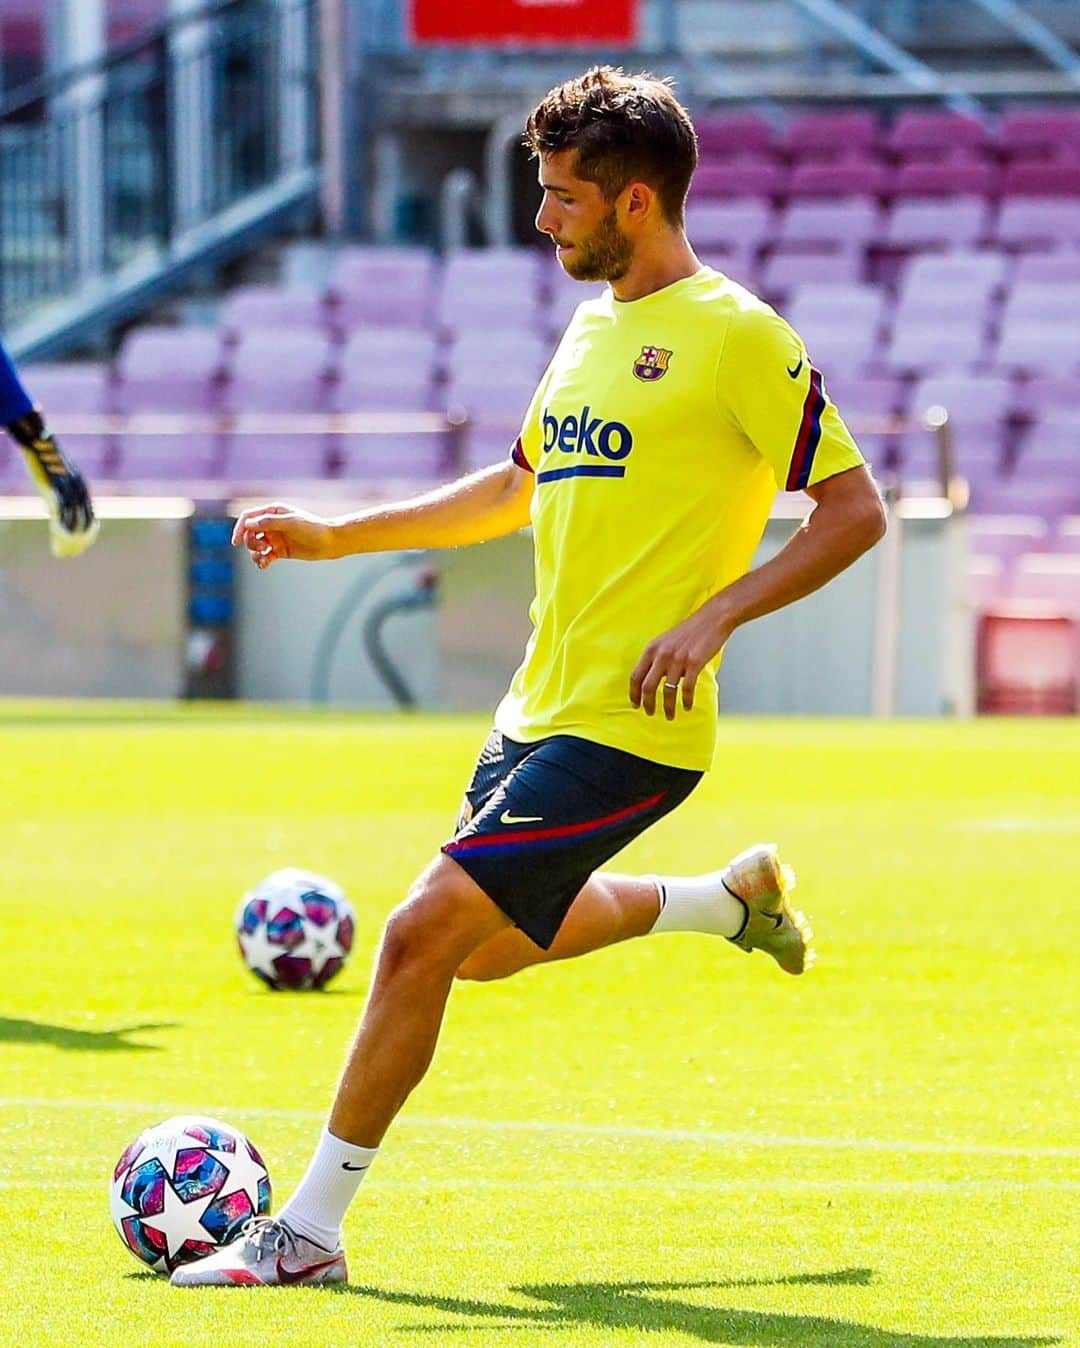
[316,1209]
[698,903]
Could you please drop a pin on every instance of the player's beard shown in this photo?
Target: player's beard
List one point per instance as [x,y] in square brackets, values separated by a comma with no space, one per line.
[604,256]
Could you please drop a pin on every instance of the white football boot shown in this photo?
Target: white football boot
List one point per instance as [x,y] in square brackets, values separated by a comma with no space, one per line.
[757,878]
[267,1254]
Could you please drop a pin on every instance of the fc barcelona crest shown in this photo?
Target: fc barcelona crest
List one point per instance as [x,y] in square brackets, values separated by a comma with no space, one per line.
[652,364]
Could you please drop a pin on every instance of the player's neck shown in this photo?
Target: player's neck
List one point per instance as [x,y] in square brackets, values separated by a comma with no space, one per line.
[656,266]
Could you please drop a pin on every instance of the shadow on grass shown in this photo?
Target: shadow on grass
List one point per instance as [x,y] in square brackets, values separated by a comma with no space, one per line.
[63,1036]
[629,1306]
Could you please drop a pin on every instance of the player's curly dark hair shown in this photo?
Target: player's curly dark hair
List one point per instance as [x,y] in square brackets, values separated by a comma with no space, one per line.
[623,127]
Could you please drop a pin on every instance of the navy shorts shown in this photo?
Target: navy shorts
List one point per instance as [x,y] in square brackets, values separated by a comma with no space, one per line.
[539,818]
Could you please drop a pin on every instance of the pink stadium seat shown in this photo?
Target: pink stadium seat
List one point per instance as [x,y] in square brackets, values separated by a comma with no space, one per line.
[941,283]
[1048,576]
[68,392]
[840,324]
[1046,394]
[1027,661]
[922,134]
[785,270]
[1042,178]
[1038,222]
[170,370]
[734,227]
[735,135]
[278,371]
[490,287]
[1039,133]
[258,306]
[760,178]
[1035,344]
[1020,496]
[1006,536]
[919,223]
[378,285]
[1053,301]
[831,135]
[969,399]
[1058,268]
[840,178]
[497,356]
[392,369]
[922,342]
[849,222]
[564,296]
[946,178]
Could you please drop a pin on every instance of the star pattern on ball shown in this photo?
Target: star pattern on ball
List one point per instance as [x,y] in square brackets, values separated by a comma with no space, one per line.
[244,1173]
[260,952]
[180,1222]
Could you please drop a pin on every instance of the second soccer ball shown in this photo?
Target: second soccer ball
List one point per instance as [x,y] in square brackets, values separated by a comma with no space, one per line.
[295,929]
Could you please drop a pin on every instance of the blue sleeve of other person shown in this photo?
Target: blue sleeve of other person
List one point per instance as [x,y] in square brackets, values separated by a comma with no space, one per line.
[14,400]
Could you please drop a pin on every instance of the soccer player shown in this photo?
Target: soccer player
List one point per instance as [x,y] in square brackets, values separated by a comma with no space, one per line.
[672,409]
[72,526]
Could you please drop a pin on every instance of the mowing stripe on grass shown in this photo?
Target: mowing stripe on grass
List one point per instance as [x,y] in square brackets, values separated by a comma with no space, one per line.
[699,1137]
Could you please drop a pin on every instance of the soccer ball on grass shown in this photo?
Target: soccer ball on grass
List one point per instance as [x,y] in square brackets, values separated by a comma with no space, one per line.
[185,1188]
[295,929]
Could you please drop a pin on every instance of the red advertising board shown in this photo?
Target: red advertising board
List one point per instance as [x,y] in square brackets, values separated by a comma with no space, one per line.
[527,22]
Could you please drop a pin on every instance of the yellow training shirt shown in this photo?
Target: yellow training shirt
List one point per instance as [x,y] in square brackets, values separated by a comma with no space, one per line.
[658,435]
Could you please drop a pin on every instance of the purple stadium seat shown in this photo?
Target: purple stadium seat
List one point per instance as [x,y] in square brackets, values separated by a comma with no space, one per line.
[733,136]
[969,399]
[850,177]
[1005,536]
[170,370]
[922,134]
[1038,222]
[261,306]
[1015,496]
[1037,345]
[939,283]
[920,223]
[1039,133]
[861,396]
[497,356]
[786,270]
[840,324]
[1054,301]
[1049,394]
[831,135]
[848,222]
[735,228]
[923,342]
[490,287]
[1048,577]
[1042,178]
[383,286]
[1058,268]
[1052,444]
[738,178]
[564,296]
[278,371]
[946,178]
[68,392]
[386,368]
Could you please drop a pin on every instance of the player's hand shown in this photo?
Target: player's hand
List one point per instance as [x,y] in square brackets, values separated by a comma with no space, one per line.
[670,664]
[72,525]
[274,532]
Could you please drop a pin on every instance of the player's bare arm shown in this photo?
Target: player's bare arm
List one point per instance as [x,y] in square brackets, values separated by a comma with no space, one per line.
[488,504]
[848,519]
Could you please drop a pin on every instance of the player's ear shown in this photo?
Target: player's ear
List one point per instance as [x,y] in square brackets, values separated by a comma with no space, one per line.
[639,200]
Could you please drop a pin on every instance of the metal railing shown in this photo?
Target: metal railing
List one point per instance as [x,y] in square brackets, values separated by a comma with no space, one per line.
[113,162]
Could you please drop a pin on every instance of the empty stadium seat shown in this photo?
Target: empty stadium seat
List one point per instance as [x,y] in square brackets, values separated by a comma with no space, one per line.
[849,222]
[933,134]
[68,392]
[919,223]
[851,177]
[840,323]
[761,178]
[830,135]
[732,136]
[1039,133]
[257,306]
[483,288]
[382,286]
[1035,222]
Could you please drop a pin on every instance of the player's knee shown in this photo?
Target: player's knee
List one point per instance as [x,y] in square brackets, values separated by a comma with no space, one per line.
[421,933]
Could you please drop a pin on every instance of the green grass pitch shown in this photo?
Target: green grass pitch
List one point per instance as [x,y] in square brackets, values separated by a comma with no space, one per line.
[664,1143]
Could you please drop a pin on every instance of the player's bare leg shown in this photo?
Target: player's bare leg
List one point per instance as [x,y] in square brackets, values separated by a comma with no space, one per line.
[745,902]
[445,917]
